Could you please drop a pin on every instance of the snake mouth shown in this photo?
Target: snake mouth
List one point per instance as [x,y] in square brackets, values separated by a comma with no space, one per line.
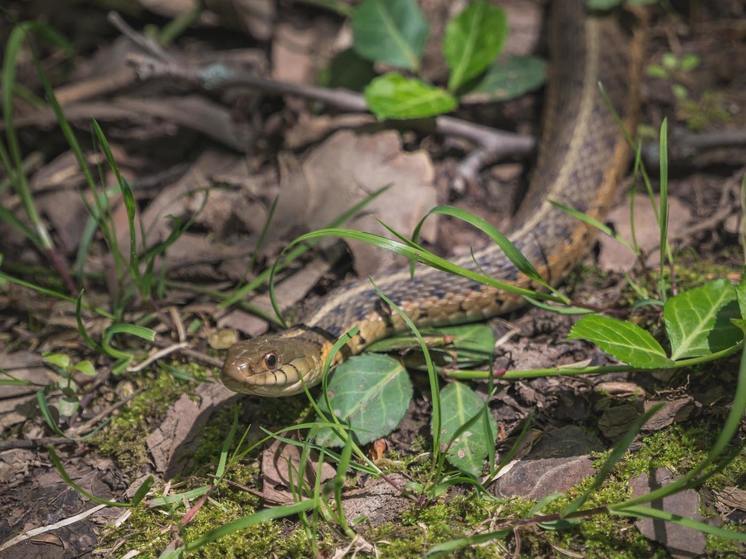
[238,375]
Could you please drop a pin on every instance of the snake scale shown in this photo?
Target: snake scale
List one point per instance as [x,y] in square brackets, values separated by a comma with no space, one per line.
[582,154]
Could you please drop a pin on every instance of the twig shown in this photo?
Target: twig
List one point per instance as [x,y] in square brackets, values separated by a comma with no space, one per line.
[216,76]
[83,427]
[44,529]
[194,354]
[684,145]
[34,443]
[158,355]
[157,63]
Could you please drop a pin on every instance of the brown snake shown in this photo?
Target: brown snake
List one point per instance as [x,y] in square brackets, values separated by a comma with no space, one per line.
[581,157]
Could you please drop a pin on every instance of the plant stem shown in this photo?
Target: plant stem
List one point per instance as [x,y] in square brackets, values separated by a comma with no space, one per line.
[592,370]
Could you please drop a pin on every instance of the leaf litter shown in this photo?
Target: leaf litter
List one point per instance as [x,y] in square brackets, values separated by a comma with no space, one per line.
[246,149]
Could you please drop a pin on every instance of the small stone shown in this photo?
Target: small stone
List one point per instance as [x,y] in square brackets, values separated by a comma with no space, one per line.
[559,461]
[678,540]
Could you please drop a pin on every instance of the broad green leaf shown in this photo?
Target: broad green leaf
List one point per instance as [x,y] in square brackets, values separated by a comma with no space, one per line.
[698,321]
[370,392]
[624,340]
[741,294]
[390,31]
[85,367]
[602,4]
[348,70]
[509,78]
[67,406]
[472,41]
[460,406]
[57,359]
[393,96]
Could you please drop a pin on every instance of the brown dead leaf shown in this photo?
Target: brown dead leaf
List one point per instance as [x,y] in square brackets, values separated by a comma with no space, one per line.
[170,444]
[377,501]
[288,293]
[673,411]
[730,499]
[341,172]
[280,463]
[378,450]
[26,366]
[615,257]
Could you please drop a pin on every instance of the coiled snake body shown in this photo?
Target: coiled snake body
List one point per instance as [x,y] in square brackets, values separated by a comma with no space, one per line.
[581,156]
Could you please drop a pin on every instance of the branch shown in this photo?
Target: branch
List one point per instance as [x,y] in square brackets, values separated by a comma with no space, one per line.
[156,63]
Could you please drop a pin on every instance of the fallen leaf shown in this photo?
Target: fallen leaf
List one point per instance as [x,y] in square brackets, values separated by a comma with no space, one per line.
[280,464]
[672,411]
[377,501]
[560,460]
[730,499]
[616,257]
[170,444]
[346,168]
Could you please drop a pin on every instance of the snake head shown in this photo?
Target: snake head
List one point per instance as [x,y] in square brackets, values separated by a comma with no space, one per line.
[274,365]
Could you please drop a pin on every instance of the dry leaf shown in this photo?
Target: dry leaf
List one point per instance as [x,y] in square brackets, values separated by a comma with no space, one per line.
[341,172]
[280,463]
[615,257]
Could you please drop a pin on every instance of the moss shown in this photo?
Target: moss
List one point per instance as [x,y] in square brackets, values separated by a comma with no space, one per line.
[150,531]
[422,527]
[124,438]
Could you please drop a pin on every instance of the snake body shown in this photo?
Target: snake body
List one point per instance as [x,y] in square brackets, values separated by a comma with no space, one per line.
[582,154]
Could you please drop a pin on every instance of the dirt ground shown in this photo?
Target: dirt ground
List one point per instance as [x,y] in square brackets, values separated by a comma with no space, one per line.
[217,162]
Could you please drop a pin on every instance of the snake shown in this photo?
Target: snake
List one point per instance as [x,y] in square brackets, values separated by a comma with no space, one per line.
[582,155]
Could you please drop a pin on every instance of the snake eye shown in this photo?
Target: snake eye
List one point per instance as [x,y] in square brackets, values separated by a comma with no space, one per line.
[270,360]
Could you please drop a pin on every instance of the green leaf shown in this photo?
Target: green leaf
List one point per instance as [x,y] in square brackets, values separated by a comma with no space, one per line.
[602,4]
[624,340]
[393,96]
[656,71]
[509,78]
[85,367]
[372,393]
[689,62]
[741,295]
[472,41]
[57,359]
[348,70]
[67,405]
[698,320]
[390,31]
[462,406]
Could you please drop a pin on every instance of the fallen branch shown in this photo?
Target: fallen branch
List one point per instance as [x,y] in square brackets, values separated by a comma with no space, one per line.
[156,63]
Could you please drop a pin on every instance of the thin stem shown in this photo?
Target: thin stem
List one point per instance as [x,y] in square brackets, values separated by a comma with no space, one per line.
[592,370]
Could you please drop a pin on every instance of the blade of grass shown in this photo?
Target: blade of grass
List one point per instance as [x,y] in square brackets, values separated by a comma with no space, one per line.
[592,222]
[127,195]
[648,512]
[515,256]
[432,377]
[46,413]
[665,250]
[227,443]
[298,251]
[244,522]
[708,466]
[339,483]
[123,357]
[418,254]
